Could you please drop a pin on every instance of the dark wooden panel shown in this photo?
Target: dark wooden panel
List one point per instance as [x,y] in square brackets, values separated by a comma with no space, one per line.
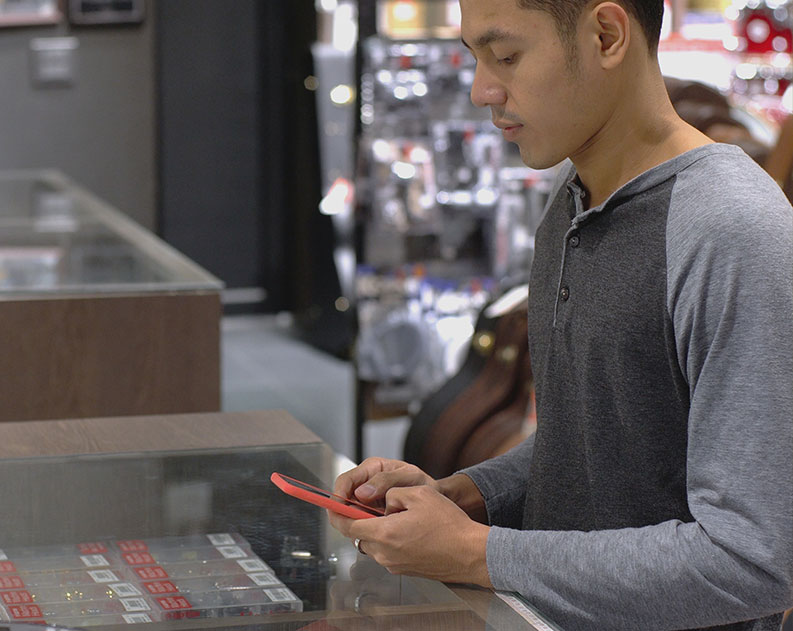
[76,357]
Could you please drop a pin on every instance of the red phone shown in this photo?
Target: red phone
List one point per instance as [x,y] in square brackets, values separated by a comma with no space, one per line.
[325,499]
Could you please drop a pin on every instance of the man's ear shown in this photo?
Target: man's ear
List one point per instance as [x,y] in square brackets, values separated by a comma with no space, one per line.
[609,28]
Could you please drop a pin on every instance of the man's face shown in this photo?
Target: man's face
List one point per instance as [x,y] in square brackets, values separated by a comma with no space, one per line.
[538,95]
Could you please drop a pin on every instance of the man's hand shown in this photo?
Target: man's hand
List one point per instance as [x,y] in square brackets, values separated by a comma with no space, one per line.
[370,481]
[423,534]
[425,531]
[374,477]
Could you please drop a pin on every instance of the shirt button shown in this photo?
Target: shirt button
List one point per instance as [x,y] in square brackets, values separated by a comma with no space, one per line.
[575,240]
[565,293]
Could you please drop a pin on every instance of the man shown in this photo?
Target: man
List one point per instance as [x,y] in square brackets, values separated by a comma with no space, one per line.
[656,492]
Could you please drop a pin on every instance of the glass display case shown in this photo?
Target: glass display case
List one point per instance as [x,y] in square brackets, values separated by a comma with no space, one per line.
[200,538]
[99,316]
[59,238]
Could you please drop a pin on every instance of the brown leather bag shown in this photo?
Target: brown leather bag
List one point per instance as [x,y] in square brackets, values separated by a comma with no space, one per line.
[505,429]
[490,414]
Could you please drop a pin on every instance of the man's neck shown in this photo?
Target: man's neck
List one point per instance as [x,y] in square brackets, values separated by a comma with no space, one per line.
[645,132]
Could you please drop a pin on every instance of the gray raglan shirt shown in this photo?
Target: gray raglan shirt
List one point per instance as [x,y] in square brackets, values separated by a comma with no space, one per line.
[657,492]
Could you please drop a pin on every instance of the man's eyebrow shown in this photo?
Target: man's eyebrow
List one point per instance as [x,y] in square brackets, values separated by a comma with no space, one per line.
[488,37]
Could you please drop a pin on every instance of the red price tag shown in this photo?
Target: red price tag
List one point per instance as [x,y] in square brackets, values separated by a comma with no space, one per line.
[92,548]
[21,612]
[169,603]
[161,587]
[11,582]
[7,567]
[132,545]
[16,597]
[181,614]
[138,558]
[151,572]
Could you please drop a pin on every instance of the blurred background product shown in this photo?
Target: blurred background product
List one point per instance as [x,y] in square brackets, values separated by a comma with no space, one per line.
[434,214]
[447,214]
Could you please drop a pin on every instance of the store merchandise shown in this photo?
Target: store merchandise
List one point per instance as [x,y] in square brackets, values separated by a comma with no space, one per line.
[197,569]
[448,216]
[60,578]
[140,580]
[215,603]
[762,40]
[413,329]
[485,408]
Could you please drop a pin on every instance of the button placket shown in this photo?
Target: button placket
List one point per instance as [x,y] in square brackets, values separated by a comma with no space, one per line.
[571,240]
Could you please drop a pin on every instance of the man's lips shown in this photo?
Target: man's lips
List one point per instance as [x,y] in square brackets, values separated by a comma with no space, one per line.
[507,125]
[509,130]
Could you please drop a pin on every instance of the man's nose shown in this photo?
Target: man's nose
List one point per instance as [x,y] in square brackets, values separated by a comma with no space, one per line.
[485,90]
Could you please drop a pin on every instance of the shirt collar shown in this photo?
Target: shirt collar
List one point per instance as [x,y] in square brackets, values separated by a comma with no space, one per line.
[644,181]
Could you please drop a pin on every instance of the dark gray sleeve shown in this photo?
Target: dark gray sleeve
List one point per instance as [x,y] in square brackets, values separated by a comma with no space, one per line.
[730,296]
[502,482]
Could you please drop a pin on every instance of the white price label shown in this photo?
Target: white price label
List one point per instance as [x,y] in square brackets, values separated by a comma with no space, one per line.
[232,552]
[280,595]
[135,618]
[264,578]
[253,565]
[3,556]
[102,576]
[135,604]
[221,539]
[94,560]
[125,589]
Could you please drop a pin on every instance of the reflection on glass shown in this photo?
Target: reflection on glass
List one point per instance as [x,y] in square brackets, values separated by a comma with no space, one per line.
[56,237]
[262,542]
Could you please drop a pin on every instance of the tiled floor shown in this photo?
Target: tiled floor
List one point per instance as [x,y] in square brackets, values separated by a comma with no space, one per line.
[266,366]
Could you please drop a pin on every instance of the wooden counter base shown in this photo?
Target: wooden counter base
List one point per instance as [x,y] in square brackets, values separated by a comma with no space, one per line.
[84,356]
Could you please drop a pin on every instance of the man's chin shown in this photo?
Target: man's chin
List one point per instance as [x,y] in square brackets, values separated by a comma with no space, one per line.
[537,160]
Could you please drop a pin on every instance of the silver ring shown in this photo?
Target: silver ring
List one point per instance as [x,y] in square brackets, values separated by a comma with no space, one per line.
[356,605]
[357,544]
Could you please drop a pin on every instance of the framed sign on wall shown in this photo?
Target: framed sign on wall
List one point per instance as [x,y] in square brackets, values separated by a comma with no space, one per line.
[106,11]
[29,12]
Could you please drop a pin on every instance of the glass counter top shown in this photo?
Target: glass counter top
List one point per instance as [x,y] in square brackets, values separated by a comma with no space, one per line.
[106,502]
[56,237]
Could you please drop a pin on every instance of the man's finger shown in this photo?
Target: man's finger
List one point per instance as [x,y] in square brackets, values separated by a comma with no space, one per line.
[399,499]
[364,529]
[380,483]
[346,483]
[340,522]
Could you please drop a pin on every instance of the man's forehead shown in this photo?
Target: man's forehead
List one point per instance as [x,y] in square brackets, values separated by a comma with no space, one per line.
[487,21]
[486,9]
[488,36]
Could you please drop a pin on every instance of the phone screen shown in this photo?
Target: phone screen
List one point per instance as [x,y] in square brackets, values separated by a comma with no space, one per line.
[309,488]
[332,496]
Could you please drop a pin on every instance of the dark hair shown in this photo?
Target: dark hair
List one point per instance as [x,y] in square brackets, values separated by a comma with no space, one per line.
[565,13]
